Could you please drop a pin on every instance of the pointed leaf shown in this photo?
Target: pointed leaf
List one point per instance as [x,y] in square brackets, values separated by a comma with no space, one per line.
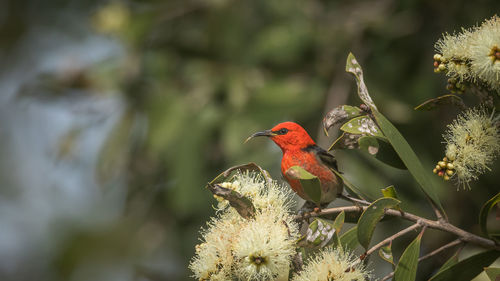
[339,221]
[362,125]
[395,138]
[310,183]
[337,224]
[485,211]
[467,269]
[450,262]
[440,101]
[349,240]
[406,270]
[493,273]
[370,217]
[409,158]
[319,234]
[352,66]
[339,115]
[390,191]
[382,150]
[351,188]
[386,254]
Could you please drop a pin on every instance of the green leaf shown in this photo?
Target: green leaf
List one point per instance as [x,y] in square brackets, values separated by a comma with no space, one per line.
[349,240]
[440,101]
[370,217]
[394,137]
[467,269]
[390,192]
[450,262]
[493,273]
[310,183]
[369,144]
[406,270]
[339,115]
[485,211]
[352,66]
[337,224]
[320,233]
[381,150]
[362,125]
[339,221]
[351,188]
[409,158]
[386,253]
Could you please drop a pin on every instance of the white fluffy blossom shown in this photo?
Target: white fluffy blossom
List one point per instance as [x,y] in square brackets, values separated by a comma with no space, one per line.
[265,246]
[485,52]
[472,55]
[472,143]
[259,248]
[333,264]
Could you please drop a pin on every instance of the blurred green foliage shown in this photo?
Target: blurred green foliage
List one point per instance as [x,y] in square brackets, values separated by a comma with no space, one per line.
[198,77]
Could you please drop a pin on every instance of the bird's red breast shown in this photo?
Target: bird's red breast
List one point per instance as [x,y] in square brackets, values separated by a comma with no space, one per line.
[300,150]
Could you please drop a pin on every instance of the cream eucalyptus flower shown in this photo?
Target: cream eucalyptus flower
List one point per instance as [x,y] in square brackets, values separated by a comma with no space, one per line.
[333,264]
[472,143]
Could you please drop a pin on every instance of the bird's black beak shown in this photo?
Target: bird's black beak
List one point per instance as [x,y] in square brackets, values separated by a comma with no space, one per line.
[266,133]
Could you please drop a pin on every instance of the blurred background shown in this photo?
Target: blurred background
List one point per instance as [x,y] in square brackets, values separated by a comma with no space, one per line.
[115,114]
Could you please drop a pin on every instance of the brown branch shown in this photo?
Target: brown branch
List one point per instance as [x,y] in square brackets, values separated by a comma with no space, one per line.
[440,225]
[440,249]
[393,237]
[387,241]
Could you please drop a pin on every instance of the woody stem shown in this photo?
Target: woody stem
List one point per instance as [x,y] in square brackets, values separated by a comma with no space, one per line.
[439,225]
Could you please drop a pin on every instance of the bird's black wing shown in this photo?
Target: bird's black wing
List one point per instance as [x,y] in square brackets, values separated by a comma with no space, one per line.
[325,157]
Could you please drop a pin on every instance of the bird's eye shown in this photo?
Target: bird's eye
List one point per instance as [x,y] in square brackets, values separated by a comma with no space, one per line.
[283,131]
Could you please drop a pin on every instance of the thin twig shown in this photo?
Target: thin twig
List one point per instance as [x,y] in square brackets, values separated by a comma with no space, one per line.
[354,200]
[387,241]
[391,238]
[443,226]
[440,249]
[439,214]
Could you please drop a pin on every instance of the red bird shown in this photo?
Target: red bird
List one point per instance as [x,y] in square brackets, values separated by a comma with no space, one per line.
[300,150]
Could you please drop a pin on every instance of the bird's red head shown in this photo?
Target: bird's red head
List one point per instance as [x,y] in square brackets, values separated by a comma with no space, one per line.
[287,135]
